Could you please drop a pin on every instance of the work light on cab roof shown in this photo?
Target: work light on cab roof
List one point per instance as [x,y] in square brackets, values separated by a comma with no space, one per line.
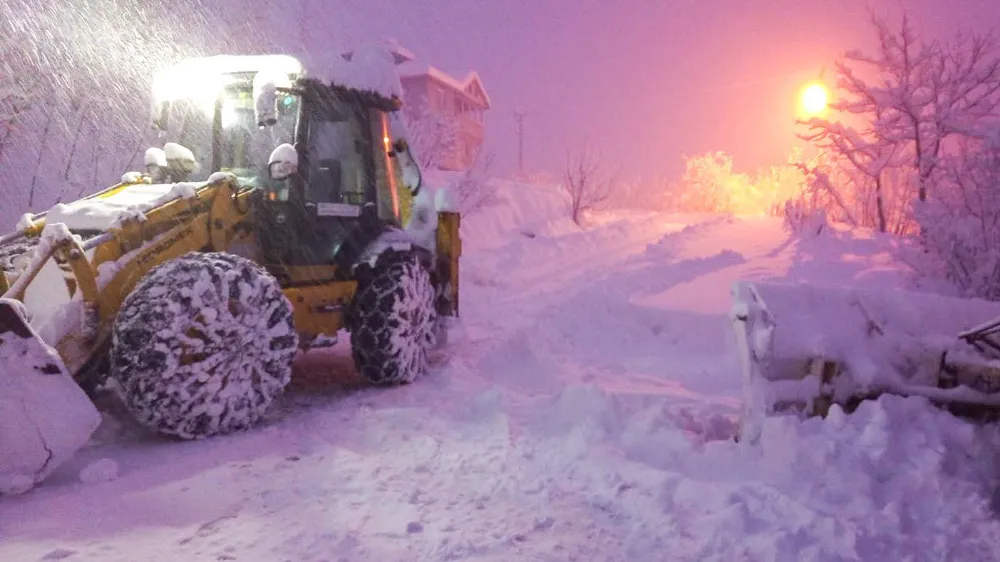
[202,80]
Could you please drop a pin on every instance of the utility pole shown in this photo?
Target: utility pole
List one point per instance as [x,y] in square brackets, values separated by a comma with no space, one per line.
[519,115]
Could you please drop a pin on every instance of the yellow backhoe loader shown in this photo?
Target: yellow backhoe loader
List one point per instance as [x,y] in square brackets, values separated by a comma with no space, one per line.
[281,207]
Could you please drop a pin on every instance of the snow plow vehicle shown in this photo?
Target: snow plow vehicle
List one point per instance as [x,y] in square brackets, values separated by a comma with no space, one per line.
[284,209]
[805,348]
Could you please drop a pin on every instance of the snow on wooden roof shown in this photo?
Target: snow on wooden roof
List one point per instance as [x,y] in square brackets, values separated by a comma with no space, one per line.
[471,85]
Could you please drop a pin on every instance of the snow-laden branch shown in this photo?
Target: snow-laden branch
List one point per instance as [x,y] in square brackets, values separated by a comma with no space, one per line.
[906,102]
[433,137]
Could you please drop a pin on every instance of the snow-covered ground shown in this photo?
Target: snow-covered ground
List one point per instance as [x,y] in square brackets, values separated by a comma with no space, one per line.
[583,410]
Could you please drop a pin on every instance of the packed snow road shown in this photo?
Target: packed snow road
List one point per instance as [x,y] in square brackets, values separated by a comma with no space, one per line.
[583,410]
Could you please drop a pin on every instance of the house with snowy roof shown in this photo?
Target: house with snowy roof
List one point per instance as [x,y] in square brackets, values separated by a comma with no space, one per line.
[463,101]
[460,102]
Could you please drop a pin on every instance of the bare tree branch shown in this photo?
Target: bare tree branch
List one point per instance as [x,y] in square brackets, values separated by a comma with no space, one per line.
[586,184]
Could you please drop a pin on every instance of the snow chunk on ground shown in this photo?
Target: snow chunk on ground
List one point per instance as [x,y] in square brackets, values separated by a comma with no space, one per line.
[898,478]
[101,470]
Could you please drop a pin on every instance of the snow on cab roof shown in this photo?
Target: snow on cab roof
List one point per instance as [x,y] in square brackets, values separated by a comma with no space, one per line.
[370,68]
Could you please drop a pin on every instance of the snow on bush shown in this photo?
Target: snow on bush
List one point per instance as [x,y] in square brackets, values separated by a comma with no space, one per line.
[432,136]
[469,191]
[961,224]
[710,184]
[802,218]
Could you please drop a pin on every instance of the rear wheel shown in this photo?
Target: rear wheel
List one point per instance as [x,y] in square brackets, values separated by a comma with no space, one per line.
[392,319]
[203,345]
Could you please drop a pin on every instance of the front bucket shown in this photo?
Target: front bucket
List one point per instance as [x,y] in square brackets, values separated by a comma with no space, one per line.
[805,347]
[45,416]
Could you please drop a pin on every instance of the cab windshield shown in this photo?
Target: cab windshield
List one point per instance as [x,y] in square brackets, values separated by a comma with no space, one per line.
[243,147]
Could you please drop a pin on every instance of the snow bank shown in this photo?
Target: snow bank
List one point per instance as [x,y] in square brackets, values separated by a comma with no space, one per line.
[896,480]
[906,480]
[518,210]
[670,245]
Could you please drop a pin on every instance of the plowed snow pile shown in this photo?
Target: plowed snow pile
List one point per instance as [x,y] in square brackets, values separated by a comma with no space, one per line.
[584,411]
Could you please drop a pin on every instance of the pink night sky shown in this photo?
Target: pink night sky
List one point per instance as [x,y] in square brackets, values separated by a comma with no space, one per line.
[645,81]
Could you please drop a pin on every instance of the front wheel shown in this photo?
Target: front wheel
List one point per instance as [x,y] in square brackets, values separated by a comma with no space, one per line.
[203,345]
[392,320]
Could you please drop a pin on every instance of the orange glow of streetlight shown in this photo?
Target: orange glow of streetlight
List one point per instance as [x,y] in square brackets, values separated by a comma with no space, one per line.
[815,98]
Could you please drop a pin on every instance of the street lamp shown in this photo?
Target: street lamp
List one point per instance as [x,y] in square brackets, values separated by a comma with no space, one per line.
[815,97]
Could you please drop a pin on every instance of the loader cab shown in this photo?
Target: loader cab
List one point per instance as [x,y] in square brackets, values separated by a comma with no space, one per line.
[207,106]
[335,189]
[338,183]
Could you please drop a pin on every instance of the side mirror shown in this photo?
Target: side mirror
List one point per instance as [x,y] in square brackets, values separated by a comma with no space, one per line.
[283,162]
[408,165]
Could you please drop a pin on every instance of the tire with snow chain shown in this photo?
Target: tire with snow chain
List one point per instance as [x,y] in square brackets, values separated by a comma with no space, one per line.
[203,345]
[392,319]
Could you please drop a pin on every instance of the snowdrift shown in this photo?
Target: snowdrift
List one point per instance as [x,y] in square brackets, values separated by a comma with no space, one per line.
[517,209]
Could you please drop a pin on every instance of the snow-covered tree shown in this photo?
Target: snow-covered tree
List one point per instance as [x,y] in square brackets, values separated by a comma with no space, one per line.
[961,224]
[905,104]
[709,184]
[475,189]
[433,136]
